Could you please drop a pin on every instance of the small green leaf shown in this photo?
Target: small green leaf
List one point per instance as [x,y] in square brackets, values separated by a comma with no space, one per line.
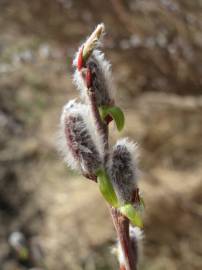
[116,113]
[106,188]
[132,214]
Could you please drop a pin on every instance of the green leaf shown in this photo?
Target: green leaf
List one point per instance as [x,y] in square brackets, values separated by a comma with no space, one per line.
[116,113]
[132,214]
[106,188]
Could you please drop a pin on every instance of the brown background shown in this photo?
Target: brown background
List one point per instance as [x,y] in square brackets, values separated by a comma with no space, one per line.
[156,51]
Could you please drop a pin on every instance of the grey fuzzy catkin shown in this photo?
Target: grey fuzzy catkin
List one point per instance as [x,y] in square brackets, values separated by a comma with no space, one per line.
[102,81]
[123,170]
[81,144]
[101,78]
[77,141]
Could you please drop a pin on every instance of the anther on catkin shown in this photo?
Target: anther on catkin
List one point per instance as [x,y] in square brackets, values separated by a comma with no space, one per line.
[76,143]
[123,170]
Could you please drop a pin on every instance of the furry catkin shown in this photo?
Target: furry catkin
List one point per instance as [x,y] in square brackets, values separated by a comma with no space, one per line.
[123,170]
[79,150]
[101,76]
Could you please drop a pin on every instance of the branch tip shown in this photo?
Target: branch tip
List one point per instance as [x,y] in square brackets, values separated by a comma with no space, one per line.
[92,41]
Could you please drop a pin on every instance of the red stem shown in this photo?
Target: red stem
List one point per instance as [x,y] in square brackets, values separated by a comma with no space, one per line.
[121,224]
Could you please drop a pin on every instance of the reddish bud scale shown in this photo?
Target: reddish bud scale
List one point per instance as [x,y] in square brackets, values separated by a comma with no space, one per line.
[122,267]
[108,119]
[136,196]
[80,60]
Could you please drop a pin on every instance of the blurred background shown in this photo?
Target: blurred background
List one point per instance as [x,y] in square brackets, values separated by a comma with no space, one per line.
[156,51]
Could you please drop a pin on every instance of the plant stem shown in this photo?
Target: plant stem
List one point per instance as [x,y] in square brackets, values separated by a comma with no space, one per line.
[121,222]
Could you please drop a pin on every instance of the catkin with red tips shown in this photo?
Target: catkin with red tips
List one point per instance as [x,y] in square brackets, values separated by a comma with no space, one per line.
[100,69]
